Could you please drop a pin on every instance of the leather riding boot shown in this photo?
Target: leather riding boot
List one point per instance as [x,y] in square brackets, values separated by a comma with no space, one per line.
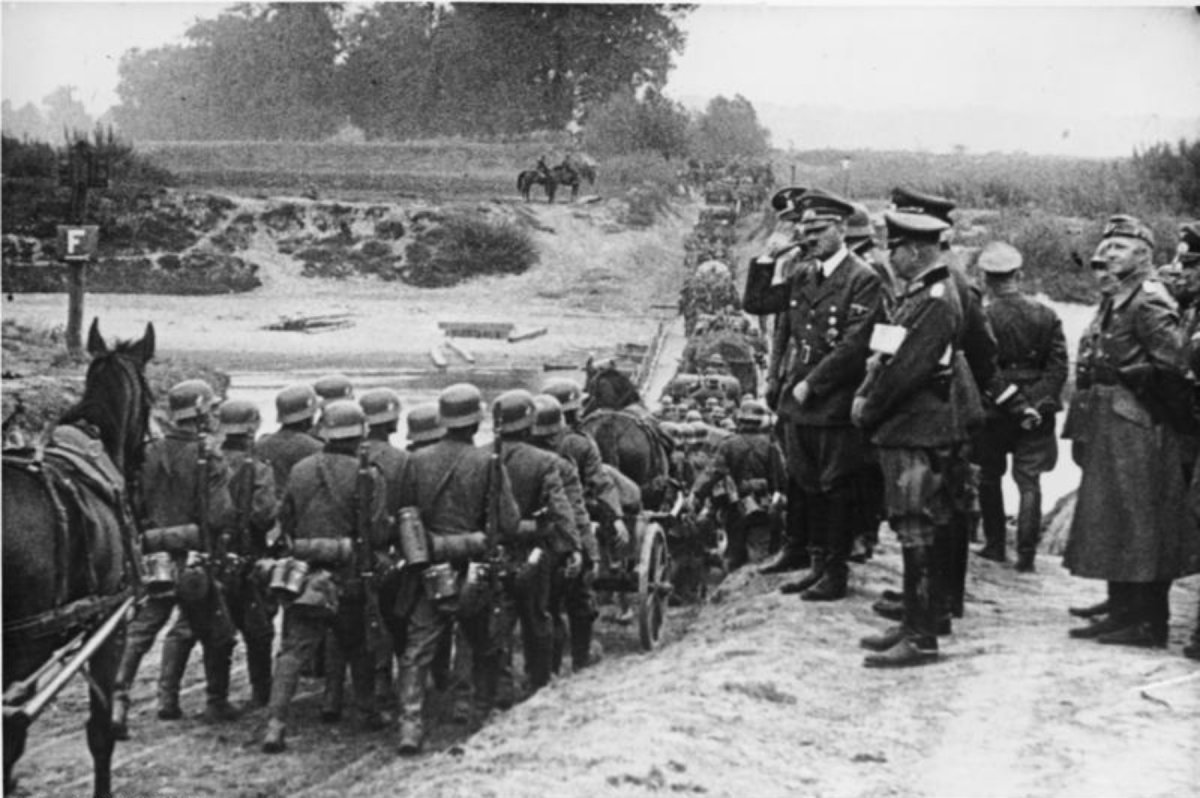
[1029,529]
[412,701]
[175,652]
[334,696]
[274,741]
[581,642]
[815,572]
[217,663]
[919,643]
[794,556]
[839,538]
[258,664]
[1121,612]
[995,529]
[120,715]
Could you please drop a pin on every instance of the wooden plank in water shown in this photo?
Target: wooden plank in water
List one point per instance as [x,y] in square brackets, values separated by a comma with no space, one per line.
[476,329]
[461,350]
[526,335]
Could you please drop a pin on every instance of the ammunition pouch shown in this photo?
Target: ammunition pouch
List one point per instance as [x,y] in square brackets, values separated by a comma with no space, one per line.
[327,552]
[476,596]
[160,572]
[319,595]
[172,539]
[288,577]
[441,582]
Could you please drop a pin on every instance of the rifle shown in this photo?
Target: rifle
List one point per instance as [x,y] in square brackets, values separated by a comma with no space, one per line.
[364,557]
[495,482]
[203,466]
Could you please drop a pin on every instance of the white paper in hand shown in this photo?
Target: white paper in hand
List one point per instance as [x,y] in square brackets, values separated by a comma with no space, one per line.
[886,338]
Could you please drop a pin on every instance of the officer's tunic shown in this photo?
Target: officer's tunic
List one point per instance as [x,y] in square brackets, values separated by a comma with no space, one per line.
[911,411]
[1128,524]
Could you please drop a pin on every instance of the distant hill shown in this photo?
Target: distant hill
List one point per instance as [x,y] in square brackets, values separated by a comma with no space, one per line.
[978,130]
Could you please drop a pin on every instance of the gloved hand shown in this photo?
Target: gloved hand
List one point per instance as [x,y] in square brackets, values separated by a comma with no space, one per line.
[621,533]
[1031,419]
[574,565]
[856,410]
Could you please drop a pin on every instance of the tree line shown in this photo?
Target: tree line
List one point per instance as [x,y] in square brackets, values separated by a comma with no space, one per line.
[395,70]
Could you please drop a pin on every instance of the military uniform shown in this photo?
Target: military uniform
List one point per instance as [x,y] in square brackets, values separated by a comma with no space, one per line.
[322,504]
[751,466]
[1128,528]
[456,488]
[909,406]
[1032,356]
[171,485]
[1188,258]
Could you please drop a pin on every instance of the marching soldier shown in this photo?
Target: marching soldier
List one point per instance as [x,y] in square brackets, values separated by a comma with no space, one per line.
[321,518]
[548,535]
[252,490]
[184,482]
[570,588]
[751,466]
[296,409]
[424,427]
[332,387]
[830,309]
[1125,425]
[909,407]
[1188,259]
[1032,355]
[457,488]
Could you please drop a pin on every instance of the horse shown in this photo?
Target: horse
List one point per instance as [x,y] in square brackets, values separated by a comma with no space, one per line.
[628,436]
[70,562]
[565,174]
[529,178]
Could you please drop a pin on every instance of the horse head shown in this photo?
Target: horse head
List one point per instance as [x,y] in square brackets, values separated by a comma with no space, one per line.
[116,397]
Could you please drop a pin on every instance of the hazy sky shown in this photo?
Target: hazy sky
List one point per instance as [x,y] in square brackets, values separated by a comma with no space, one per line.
[1072,61]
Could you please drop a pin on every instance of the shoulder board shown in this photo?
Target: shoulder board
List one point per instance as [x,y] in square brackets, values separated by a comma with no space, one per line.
[931,277]
[1157,290]
[938,291]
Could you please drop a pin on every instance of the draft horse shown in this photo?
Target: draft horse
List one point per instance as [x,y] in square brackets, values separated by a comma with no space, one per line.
[529,178]
[71,572]
[628,436]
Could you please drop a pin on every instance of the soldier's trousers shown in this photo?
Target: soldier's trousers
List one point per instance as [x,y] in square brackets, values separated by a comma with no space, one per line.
[303,631]
[207,620]
[377,646]
[574,599]
[525,598]
[426,627]
[1033,452]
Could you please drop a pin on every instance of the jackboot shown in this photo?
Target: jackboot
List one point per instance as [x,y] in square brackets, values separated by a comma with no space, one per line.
[893,610]
[839,540]
[217,663]
[816,571]
[274,740]
[581,642]
[1029,529]
[789,559]
[919,644]
[175,652]
[412,701]
[995,529]
[1120,608]
[334,697]
[794,556]
[258,664]
[120,715]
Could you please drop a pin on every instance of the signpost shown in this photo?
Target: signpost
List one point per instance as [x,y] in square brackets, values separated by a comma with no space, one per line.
[84,169]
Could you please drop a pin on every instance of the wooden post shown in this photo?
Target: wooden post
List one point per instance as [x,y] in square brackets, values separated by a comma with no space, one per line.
[76,277]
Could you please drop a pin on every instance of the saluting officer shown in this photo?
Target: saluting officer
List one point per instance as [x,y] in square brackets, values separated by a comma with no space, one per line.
[319,517]
[909,407]
[1130,527]
[252,490]
[551,537]
[456,488]
[751,461]
[171,495]
[296,409]
[1032,355]
[570,585]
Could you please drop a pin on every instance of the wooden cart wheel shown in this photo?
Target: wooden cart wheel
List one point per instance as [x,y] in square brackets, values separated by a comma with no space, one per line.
[653,573]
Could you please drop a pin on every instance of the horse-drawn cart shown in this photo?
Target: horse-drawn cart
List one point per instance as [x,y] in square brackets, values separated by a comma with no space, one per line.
[646,572]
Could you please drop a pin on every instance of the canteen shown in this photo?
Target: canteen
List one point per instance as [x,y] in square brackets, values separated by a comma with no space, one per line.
[160,571]
[414,542]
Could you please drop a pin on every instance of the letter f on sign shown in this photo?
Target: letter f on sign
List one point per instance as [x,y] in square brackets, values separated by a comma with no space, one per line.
[75,237]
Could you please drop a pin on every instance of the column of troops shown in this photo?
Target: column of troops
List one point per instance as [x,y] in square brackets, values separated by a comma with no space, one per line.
[903,390]
[374,554]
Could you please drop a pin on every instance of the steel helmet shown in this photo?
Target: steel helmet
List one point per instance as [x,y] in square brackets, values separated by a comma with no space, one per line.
[295,403]
[752,413]
[334,386]
[189,399]
[460,405]
[566,391]
[341,419]
[238,417]
[516,410]
[548,416]
[693,416]
[380,405]
[424,424]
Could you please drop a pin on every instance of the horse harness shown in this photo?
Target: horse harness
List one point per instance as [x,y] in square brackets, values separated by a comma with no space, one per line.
[76,476]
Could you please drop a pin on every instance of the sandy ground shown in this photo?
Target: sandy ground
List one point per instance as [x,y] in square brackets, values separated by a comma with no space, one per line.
[754,694]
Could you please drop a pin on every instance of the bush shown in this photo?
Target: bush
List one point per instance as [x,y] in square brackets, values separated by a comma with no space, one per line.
[462,247]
